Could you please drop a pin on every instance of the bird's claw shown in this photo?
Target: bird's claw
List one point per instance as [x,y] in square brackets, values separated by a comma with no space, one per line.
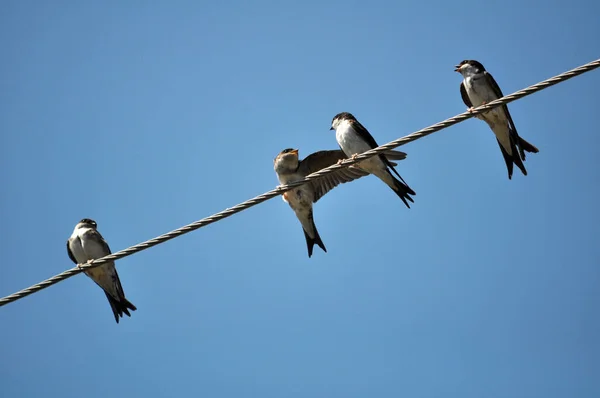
[88,262]
[353,157]
[340,161]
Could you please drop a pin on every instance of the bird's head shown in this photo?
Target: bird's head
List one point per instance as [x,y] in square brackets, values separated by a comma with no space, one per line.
[340,118]
[87,223]
[469,67]
[287,160]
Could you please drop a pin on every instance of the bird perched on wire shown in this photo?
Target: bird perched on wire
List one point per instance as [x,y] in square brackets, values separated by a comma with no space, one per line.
[86,244]
[478,88]
[290,168]
[353,138]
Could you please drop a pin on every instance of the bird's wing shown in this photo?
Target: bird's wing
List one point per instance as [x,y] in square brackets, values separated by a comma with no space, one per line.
[498,92]
[394,155]
[96,237]
[106,276]
[322,159]
[464,95]
[492,82]
[364,134]
[71,256]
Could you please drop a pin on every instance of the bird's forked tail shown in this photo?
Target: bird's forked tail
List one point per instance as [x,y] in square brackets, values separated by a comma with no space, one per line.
[310,242]
[120,307]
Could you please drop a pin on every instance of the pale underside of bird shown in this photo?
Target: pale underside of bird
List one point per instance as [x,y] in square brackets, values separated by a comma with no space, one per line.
[353,138]
[290,168]
[478,88]
[86,244]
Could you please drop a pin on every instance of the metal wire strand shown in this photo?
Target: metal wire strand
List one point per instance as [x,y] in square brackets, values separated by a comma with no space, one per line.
[314,176]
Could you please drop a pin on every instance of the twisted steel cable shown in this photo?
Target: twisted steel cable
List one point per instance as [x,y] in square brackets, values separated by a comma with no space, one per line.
[314,176]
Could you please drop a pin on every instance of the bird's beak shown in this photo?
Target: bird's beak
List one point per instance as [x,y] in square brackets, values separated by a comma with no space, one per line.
[456,68]
[331,128]
[295,152]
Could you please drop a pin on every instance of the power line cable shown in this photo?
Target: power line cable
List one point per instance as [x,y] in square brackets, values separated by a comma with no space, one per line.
[314,176]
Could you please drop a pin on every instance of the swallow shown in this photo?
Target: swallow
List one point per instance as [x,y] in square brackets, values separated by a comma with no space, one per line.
[289,168]
[478,88]
[86,244]
[353,138]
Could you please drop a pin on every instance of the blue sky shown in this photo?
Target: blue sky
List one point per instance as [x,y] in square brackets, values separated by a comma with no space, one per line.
[148,117]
